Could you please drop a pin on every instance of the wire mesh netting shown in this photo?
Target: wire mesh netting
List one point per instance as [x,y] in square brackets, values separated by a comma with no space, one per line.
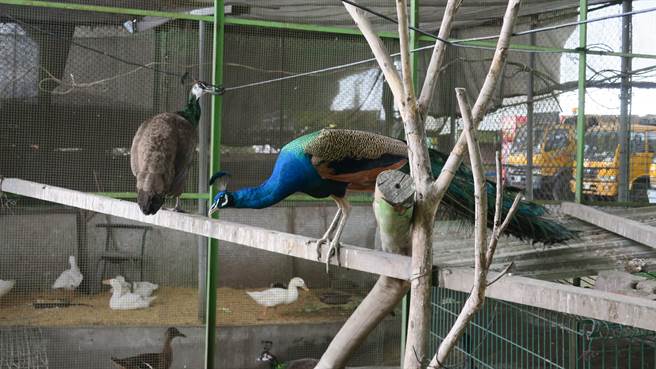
[76,85]
[506,335]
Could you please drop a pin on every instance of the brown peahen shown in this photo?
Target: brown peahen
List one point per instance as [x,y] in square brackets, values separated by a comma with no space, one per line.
[162,151]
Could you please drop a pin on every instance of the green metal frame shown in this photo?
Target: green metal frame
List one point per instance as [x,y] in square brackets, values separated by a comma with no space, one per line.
[298,26]
[215,163]
[580,119]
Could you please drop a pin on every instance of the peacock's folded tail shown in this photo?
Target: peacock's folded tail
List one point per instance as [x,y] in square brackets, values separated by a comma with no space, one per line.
[529,222]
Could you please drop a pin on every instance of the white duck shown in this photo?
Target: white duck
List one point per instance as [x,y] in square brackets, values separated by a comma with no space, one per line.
[125,300]
[278,296]
[144,288]
[6,286]
[69,279]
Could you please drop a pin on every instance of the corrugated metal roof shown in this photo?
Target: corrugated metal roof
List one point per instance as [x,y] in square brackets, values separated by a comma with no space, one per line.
[596,250]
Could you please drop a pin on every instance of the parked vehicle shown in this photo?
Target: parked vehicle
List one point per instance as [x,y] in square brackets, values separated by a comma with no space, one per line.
[601,160]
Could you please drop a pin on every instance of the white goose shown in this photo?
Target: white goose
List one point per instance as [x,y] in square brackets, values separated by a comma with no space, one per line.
[122,299]
[69,279]
[6,286]
[278,296]
[145,289]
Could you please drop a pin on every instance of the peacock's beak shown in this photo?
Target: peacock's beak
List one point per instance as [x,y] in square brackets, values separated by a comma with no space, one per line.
[213,209]
[107,281]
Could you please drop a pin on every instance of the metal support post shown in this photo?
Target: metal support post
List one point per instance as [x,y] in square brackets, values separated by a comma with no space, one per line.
[580,119]
[529,118]
[215,162]
[625,101]
[203,168]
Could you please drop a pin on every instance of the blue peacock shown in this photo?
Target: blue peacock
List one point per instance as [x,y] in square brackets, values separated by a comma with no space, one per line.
[331,161]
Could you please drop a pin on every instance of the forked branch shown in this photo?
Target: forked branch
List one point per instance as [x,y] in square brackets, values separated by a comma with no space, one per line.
[484,251]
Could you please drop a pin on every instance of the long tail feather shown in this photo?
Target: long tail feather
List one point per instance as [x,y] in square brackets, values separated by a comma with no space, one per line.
[528,223]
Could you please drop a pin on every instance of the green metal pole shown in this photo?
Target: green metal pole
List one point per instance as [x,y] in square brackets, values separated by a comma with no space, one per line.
[414,43]
[215,162]
[580,121]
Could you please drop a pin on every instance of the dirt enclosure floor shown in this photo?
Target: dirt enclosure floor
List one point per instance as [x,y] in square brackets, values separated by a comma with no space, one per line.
[173,306]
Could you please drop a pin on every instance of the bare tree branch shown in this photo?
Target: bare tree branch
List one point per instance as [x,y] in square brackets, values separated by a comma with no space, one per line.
[435,64]
[477,296]
[404,43]
[485,94]
[380,52]
[503,272]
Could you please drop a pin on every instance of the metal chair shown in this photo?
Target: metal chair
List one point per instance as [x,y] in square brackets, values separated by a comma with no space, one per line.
[116,255]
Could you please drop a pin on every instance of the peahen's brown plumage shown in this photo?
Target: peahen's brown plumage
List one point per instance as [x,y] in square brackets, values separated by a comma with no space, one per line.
[154,360]
[162,151]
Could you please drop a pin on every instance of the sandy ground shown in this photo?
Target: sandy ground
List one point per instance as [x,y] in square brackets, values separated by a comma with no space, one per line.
[173,306]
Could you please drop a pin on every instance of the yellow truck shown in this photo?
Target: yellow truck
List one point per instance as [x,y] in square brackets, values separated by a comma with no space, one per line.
[554,145]
[601,160]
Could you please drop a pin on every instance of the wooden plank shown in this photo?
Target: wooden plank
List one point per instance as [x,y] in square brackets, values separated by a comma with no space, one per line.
[636,231]
[595,304]
[611,307]
[352,257]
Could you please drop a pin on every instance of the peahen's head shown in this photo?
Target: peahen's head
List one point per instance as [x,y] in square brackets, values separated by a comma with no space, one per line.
[191,111]
[223,198]
[201,88]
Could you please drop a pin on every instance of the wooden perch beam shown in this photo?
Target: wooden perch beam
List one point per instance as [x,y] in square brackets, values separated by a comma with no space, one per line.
[633,311]
[628,228]
[352,257]
[628,310]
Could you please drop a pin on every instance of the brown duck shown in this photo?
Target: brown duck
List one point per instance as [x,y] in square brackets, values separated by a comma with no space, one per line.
[154,360]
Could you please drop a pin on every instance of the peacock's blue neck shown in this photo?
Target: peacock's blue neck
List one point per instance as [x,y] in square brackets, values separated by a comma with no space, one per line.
[191,111]
[292,172]
[262,196]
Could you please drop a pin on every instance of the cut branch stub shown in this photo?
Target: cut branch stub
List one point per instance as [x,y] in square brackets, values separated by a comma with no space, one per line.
[393,206]
[397,188]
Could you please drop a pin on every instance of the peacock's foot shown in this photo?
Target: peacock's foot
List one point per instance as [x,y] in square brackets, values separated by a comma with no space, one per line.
[320,242]
[333,251]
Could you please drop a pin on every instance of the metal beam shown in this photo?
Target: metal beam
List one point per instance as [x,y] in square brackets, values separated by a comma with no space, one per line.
[625,101]
[106,9]
[352,257]
[204,74]
[636,231]
[611,307]
[529,116]
[212,275]
[580,119]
